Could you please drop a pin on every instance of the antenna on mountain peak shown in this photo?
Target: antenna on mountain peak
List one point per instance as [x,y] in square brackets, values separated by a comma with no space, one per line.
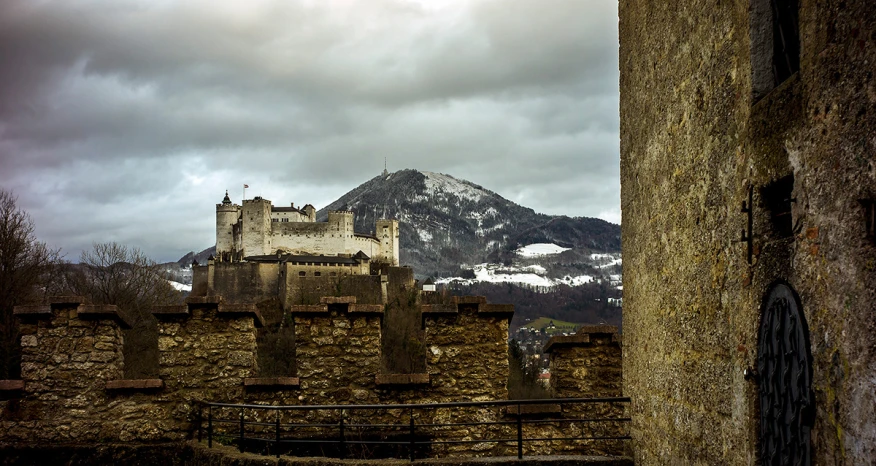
[384,167]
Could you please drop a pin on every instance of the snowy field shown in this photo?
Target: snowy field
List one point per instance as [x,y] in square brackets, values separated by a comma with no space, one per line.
[540,249]
[536,275]
[180,286]
[532,275]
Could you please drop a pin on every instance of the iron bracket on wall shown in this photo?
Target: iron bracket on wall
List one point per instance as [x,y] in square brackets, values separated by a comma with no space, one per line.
[747,208]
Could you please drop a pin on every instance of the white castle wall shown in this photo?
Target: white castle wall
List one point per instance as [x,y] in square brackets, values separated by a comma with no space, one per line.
[258,229]
[226,217]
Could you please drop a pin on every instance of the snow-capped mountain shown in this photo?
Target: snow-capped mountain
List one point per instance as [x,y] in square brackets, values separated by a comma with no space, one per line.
[447,224]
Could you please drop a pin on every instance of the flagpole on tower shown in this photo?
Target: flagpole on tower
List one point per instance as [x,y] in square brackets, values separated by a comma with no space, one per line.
[244,192]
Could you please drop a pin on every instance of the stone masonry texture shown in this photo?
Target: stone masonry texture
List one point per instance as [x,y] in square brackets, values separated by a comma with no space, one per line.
[699,134]
[73,392]
[588,363]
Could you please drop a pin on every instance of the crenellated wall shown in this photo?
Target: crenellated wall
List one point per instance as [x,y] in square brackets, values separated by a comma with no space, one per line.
[73,392]
[589,363]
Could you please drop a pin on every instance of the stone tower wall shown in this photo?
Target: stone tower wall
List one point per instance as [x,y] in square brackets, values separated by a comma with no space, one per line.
[387,234]
[700,139]
[226,217]
[256,227]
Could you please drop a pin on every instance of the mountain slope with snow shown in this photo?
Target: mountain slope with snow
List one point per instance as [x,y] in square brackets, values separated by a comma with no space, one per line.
[447,222]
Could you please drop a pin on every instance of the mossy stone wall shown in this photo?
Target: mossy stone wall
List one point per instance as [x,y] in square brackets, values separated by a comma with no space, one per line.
[695,141]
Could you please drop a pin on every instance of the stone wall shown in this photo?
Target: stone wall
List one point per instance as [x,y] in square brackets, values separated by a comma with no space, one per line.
[368,289]
[208,352]
[69,353]
[242,282]
[588,364]
[703,144]
[338,351]
[206,348]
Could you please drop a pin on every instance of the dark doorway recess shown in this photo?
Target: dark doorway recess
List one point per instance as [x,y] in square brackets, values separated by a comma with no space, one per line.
[784,363]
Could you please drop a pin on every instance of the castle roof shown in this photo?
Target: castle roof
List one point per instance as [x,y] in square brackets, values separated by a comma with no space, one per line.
[226,200]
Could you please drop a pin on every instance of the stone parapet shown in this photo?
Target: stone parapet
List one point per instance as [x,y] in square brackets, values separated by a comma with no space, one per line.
[69,351]
[586,364]
[467,360]
[338,350]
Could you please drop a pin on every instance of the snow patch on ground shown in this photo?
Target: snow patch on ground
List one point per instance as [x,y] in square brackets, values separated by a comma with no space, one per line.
[532,275]
[180,286]
[575,281]
[437,182]
[483,231]
[540,249]
[425,236]
[606,260]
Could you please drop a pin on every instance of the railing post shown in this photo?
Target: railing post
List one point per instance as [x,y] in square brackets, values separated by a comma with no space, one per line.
[341,444]
[210,427]
[413,443]
[200,422]
[240,442]
[277,439]
[519,433]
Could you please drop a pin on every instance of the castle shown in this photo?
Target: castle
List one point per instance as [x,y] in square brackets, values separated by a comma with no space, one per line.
[258,228]
[267,252]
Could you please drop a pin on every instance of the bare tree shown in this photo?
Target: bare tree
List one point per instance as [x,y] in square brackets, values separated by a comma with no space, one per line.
[112,273]
[25,264]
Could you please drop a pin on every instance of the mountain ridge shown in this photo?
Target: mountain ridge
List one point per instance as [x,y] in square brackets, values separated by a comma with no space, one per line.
[446,222]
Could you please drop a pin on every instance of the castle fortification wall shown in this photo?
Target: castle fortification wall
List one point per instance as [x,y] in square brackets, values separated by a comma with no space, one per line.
[208,352]
[70,353]
[243,282]
[731,185]
[310,289]
[589,362]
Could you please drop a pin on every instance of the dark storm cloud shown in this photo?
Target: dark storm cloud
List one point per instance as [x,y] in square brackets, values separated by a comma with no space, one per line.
[126,120]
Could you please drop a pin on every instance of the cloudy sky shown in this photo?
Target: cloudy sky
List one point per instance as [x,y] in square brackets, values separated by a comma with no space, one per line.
[127,120]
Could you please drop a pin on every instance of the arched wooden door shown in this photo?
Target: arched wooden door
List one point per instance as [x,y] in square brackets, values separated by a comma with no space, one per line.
[784,363]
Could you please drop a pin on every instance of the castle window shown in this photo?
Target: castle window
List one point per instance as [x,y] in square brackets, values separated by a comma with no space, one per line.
[274,220]
[317,274]
[786,39]
[777,198]
[302,274]
[775,43]
[870,219]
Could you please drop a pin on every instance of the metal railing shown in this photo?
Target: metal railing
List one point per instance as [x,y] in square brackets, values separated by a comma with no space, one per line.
[412,430]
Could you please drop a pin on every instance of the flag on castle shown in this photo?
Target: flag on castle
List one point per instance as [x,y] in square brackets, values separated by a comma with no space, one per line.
[246,186]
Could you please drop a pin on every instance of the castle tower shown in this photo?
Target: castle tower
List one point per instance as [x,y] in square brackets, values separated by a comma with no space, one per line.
[387,234]
[227,215]
[310,211]
[256,227]
[341,221]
